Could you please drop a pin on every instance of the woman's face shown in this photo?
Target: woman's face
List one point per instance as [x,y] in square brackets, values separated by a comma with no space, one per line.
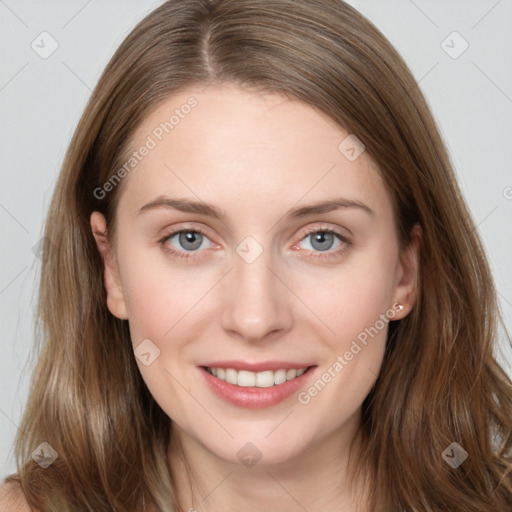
[261,278]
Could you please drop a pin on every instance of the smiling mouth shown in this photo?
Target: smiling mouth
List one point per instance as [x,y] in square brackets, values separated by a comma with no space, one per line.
[264,379]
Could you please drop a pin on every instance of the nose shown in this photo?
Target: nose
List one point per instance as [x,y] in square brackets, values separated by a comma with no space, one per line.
[258,303]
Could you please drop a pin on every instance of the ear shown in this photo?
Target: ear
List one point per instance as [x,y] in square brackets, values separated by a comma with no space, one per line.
[407,273]
[115,296]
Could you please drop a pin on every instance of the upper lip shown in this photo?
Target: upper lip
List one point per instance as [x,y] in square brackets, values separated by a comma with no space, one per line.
[257,367]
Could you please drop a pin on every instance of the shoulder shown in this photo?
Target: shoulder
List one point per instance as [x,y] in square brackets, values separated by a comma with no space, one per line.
[12,499]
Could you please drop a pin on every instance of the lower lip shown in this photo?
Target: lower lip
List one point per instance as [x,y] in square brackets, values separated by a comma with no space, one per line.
[253,397]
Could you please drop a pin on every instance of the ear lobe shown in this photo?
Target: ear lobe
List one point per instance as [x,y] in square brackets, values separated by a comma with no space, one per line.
[112,282]
[407,286]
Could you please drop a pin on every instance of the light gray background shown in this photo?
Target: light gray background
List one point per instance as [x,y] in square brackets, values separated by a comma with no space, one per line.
[41,101]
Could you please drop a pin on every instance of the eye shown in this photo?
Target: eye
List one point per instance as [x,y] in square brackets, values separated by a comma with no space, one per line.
[323,240]
[189,240]
[184,241]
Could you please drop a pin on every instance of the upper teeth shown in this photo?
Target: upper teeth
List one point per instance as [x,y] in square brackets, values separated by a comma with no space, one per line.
[263,379]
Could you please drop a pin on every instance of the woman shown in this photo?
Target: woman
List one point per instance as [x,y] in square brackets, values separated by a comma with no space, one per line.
[261,287]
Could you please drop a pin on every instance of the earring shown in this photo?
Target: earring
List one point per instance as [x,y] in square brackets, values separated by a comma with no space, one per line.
[400,307]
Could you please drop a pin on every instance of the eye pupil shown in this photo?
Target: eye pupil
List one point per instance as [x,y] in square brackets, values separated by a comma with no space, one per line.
[325,240]
[190,237]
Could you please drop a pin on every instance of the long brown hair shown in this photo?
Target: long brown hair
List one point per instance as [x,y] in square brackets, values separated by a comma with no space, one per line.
[440,382]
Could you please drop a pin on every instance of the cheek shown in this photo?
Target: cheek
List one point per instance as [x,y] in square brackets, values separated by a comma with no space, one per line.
[359,315]
[159,293]
[351,297]
[355,304]
[163,301]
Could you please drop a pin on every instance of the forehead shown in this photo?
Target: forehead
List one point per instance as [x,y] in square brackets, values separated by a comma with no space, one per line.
[227,144]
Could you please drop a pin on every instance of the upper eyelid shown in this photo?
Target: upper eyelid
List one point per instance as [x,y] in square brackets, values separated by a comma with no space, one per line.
[335,231]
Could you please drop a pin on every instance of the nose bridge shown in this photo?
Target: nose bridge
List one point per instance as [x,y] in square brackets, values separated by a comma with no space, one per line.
[256,303]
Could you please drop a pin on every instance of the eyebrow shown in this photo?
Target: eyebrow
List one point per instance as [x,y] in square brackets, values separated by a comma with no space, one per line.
[200,207]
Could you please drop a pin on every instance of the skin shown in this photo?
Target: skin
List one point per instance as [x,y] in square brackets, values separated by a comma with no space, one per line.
[255,156]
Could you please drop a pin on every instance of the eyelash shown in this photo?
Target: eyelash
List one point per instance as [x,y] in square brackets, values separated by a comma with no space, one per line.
[315,254]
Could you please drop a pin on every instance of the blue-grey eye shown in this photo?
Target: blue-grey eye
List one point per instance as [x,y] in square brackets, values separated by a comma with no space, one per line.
[189,240]
[321,240]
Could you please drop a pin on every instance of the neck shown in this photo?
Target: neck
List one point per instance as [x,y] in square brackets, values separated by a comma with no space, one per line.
[316,480]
